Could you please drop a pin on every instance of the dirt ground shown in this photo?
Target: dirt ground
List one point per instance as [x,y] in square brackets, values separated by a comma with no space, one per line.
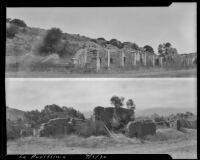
[149,73]
[175,143]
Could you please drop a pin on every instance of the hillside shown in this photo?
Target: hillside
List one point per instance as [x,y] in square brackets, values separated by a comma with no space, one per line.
[14,114]
[27,39]
[36,52]
[165,111]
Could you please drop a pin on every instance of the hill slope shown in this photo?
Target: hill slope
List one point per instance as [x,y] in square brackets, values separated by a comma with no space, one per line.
[165,111]
[14,114]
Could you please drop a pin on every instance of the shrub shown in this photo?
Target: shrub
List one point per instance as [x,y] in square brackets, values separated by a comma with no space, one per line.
[50,41]
[11,31]
[116,43]
[18,22]
[102,39]
[54,42]
[149,48]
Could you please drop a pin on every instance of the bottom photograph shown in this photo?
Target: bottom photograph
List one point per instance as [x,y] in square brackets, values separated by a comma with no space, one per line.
[102,116]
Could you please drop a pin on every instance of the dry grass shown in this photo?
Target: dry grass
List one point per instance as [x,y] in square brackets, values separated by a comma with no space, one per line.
[75,141]
[170,134]
[167,134]
[167,141]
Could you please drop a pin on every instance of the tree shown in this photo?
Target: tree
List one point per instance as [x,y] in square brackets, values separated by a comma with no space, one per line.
[130,104]
[8,19]
[117,101]
[161,49]
[131,45]
[134,46]
[101,39]
[168,44]
[18,22]
[149,48]
[36,118]
[11,31]
[52,108]
[50,42]
[166,49]
[116,43]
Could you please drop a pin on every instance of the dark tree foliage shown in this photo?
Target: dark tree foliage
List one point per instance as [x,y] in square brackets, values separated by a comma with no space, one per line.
[131,45]
[52,108]
[18,22]
[159,119]
[36,118]
[166,49]
[135,46]
[11,31]
[116,43]
[149,48]
[117,101]
[94,40]
[8,19]
[55,43]
[50,41]
[130,104]
[102,39]
[168,44]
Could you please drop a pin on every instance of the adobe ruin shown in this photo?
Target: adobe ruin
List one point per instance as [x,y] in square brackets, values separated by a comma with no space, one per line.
[96,57]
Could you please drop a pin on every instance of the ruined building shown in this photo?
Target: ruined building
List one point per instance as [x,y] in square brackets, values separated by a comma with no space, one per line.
[96,57]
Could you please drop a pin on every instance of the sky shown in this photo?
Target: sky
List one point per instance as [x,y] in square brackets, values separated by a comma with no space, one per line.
[143,25]
[85,94]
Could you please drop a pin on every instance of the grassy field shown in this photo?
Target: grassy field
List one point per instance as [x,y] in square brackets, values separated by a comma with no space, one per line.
[145,73]
[166,141]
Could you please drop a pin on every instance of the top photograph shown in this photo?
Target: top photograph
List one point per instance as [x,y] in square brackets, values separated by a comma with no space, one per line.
[101,42]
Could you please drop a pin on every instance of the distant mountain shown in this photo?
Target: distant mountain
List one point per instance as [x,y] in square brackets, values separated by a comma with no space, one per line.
[14,114]
[164,111]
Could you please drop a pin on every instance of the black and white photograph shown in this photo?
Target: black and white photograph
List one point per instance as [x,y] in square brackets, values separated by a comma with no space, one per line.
[101,80]
[101,42]
[101,116]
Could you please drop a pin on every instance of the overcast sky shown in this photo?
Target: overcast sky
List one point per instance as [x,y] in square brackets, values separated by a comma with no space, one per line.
[85,94]
[153,25]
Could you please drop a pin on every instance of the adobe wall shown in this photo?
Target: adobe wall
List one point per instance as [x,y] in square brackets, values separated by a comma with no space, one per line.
[98,58]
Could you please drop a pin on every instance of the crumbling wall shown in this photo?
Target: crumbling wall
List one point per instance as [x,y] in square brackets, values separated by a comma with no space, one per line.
[104,58]
[115,59]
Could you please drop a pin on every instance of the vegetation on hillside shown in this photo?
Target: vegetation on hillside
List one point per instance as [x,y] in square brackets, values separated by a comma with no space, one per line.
[57,42]
[28,44]
[36,118]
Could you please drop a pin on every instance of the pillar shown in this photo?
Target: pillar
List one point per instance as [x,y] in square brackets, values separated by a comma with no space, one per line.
[134,58]
[191,61]
[153,60]
[122,59]
[187,61]
[144,59]
[137,56]
[85,57]
[98,61]
[108,59]
[160,61]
